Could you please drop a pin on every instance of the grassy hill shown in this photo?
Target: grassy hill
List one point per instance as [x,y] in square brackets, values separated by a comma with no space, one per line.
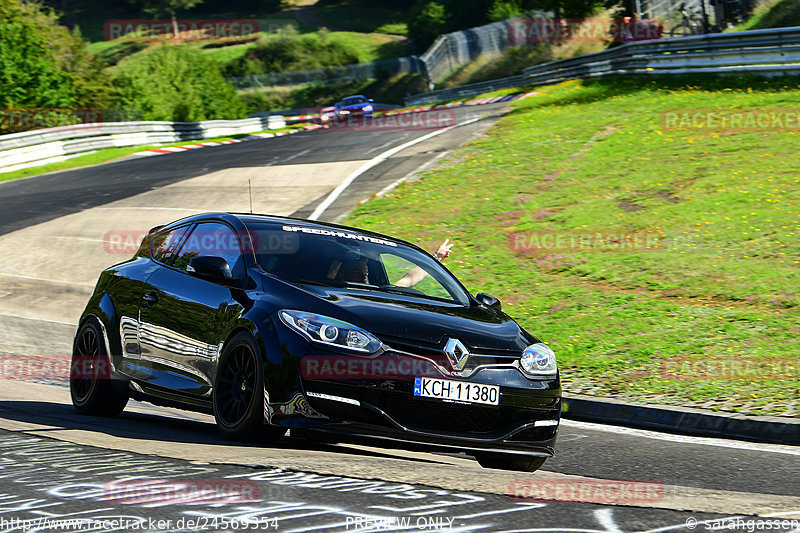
[704,309]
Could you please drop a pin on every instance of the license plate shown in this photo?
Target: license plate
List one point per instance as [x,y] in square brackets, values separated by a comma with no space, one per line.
[459,391]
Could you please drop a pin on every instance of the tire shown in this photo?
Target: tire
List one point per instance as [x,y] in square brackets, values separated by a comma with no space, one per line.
[681,30]
[90,385]
[238,396]
[510,462]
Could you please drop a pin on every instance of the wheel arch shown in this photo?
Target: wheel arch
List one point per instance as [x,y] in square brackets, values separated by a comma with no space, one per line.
[101,309]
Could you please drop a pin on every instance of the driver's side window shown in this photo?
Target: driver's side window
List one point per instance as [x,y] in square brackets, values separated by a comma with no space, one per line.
[212,239]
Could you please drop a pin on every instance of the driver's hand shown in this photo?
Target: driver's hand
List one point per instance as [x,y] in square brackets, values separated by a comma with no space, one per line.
[444,250]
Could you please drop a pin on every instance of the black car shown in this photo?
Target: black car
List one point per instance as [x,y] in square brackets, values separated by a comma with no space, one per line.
[273,323]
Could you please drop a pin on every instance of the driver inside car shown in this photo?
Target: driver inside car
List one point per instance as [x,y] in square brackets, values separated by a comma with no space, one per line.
[354,268]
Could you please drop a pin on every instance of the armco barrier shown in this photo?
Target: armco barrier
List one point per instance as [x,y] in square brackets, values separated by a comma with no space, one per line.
[761,52]
[40,147]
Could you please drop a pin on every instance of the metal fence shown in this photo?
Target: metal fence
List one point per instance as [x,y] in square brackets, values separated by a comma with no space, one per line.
[40,147]
[771,52]
[446,54]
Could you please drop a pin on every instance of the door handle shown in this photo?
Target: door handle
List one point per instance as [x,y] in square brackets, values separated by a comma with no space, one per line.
[150,298]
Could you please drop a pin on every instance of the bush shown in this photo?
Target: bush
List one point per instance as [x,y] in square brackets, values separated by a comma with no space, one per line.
[176,83]
[289,51]
[505,9]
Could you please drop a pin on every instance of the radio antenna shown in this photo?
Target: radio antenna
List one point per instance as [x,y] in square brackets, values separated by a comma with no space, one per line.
[250,190]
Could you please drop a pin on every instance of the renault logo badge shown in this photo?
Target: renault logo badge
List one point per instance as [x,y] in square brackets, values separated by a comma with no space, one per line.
[457,353]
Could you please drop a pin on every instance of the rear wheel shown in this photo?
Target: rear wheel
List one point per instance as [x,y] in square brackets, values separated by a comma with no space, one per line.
[90,385]
[239,393]
[510,462]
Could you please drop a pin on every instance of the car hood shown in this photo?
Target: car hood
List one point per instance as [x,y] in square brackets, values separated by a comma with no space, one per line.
[418,321]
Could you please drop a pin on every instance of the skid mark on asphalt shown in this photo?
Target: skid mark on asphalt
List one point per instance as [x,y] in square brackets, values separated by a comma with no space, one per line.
[50,483]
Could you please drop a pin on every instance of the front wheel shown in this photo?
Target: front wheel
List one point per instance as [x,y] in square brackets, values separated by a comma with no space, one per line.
[510,462]
[90,384]
[238,397]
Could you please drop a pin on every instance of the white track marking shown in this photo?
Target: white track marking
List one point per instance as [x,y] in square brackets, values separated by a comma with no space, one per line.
[39,320]
[683,439]
[606,519]
[137,208]
[298,154]
[375,149]
[60,281]
[375,161]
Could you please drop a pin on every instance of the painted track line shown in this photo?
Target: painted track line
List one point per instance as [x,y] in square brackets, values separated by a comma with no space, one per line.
[378,159]
[683,439]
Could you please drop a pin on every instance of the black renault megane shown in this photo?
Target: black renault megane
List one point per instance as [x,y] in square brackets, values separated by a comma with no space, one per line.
[273,323]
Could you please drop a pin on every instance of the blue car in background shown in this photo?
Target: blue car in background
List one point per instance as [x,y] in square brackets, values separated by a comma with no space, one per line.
[354,106]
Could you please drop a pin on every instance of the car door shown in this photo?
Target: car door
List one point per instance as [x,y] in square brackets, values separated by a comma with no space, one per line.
[129,288]
[184,317]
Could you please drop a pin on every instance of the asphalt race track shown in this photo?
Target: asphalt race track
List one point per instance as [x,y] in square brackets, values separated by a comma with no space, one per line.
[151,468]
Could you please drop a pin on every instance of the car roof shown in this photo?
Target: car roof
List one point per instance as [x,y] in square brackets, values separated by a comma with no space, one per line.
[252,218]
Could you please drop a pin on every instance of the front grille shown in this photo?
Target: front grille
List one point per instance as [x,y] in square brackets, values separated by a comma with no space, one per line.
[478,356]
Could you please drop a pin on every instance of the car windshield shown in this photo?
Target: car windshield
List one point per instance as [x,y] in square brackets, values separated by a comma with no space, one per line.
[349,259]
[352,100]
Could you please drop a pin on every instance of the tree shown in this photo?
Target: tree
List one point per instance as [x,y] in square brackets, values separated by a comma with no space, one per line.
[428,21]
[159,8]
[42,64]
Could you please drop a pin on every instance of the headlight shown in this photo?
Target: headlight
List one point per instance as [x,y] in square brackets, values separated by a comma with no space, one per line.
[330,331]
[367,108]
[538,360]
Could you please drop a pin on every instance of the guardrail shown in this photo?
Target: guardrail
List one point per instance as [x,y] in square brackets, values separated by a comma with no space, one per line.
[761,52]
[40,147]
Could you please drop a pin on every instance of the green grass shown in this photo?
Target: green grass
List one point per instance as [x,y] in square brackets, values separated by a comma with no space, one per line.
[365,46]
[370,46]
[108,155]
[772,14]
[594,157]
[352,15]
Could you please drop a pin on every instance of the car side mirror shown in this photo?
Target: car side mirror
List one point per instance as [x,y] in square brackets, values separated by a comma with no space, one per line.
[212,268]
[488,300]
[371,100]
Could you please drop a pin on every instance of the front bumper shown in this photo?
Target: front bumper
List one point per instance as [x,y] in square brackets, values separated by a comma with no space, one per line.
[525,421]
